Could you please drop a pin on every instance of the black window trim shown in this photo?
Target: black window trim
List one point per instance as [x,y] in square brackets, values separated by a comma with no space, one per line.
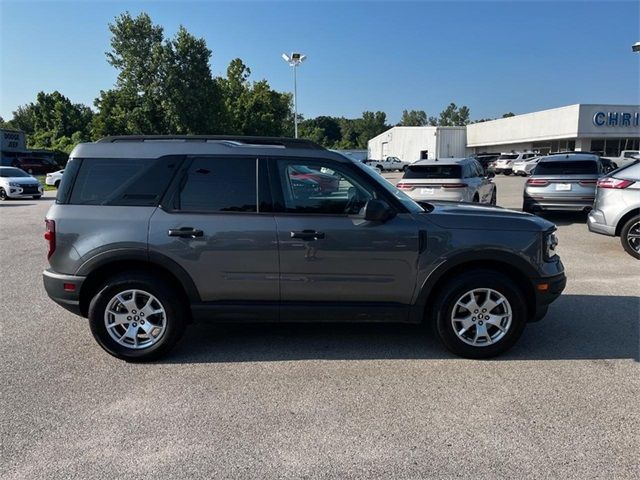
[278,205]
[168,203]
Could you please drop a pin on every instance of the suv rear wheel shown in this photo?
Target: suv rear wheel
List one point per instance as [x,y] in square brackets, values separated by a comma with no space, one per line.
[480,314]
[136,317]
[630,236]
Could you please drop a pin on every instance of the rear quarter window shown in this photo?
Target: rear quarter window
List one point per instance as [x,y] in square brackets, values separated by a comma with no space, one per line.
[433,171]
[119,181]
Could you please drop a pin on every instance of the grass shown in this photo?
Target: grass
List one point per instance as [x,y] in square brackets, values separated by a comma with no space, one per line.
[47,188]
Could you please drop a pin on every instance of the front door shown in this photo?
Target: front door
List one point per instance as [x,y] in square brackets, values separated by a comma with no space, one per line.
[214,229]
[329,255]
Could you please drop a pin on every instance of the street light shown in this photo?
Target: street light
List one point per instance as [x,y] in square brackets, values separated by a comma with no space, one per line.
[635,47]
[294,60]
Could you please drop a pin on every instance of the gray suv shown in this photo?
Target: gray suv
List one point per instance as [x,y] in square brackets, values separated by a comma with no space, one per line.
[151,233]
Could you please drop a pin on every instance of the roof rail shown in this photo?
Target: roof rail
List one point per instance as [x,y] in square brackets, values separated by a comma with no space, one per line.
[247,140]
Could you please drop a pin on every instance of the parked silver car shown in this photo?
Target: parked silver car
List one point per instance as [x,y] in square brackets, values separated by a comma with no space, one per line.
[506,161]
[616,211]
[458,180]
[563,182]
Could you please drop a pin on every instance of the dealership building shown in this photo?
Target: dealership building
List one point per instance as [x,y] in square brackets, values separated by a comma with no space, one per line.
[605,129]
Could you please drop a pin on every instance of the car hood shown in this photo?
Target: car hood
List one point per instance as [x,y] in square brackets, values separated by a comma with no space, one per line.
[22,180]
[471,216]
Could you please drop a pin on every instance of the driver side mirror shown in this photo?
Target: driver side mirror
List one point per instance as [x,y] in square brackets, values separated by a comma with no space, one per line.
[377,211]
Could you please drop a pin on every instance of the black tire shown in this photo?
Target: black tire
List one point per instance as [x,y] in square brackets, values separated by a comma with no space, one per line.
[3,194]
[37,197]
[379,168]
[479,279]
[57,184]
[527,208]
[30,171]
[507,172]
[494,197]
[633,222]
[175,312]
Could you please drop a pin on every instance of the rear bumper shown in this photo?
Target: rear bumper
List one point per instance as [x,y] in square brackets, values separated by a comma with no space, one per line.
[558,203]
[597,224]
[54,284]
[547,291]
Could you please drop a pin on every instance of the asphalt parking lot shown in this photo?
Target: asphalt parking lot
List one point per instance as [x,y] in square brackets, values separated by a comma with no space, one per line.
[329,401]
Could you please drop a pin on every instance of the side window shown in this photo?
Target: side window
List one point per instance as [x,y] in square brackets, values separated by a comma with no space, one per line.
[119,181]
[321,188]
[219,185]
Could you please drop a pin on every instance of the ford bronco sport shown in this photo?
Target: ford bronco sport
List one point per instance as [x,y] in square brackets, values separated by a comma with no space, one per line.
[151,233]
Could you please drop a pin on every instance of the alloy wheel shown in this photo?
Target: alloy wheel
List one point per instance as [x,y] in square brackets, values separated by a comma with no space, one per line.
[481,317]
[633,236]
[135,319]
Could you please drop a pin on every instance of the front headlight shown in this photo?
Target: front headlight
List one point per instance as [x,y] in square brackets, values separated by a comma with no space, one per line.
[550,244]
[14,184]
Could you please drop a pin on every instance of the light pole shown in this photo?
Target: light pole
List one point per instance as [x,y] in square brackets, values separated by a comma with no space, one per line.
[294,60]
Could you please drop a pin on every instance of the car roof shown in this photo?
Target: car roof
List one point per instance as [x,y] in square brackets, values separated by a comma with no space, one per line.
[443,161]
[154,146]
[570,156]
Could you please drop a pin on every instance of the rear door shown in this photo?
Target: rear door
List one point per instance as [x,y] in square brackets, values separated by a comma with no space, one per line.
[329,255]
[213,225]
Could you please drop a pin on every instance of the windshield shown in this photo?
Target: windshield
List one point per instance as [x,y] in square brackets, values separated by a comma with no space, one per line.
[409,204]
[569,167]
[12,172]
[508,157]
[433,171]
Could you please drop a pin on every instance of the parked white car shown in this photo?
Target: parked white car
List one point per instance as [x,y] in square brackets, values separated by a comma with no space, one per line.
[525,167]
[504,163]
[54,178]
[389,164]
[456,180]
[16,183]
[627,157]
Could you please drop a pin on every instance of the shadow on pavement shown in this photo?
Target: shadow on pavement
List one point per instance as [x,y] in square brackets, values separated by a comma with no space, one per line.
[576,327]
[565,218]
[5,204]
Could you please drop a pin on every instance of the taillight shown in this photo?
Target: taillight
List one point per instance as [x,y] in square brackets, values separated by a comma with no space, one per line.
[537,182]
[587,182]
[50,236]
[610,182]
[404,186]
[454,185]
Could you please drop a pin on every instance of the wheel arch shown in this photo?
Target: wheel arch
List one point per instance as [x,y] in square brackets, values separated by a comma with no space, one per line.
[625,218]
[515,268]
[107,265]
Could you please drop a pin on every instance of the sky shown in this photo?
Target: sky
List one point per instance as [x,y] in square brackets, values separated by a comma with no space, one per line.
[494,57]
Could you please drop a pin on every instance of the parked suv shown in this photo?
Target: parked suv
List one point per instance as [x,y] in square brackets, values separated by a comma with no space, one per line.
[150,233]
[458,180]
[563,182]
[505,162]
[616,211]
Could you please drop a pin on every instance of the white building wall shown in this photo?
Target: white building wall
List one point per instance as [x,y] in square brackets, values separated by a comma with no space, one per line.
[551,124]
[407,143]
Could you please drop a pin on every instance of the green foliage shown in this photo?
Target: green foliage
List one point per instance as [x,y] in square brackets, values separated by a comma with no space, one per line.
[508,114]
[413,118]
[453,116]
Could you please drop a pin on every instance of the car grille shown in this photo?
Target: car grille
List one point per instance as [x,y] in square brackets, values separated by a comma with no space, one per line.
[29,189]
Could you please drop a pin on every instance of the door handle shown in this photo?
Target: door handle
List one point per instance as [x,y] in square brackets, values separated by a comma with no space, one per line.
[185,232]
[307,235]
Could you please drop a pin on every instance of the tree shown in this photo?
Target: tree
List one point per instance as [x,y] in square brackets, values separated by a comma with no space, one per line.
[323,130]
[413,118]
[454,116]
[508,114]
[371,125]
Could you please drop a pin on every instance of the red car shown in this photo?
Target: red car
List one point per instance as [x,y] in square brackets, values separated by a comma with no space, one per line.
[35,166]
[328,183]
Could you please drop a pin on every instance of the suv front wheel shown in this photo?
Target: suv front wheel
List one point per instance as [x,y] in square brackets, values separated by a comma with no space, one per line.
[480,314]
[136,317]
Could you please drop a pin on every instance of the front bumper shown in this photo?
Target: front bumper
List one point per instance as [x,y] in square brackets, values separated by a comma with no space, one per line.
[547,289]
[54,284]
[597,224]
[22,192]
